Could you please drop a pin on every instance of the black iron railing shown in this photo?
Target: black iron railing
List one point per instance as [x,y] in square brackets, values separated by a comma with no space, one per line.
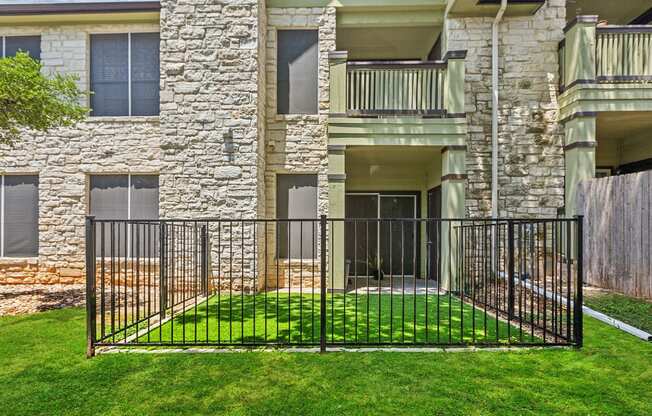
[333,282]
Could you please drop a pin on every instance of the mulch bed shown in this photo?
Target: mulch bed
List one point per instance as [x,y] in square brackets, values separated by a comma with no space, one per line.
[21,299]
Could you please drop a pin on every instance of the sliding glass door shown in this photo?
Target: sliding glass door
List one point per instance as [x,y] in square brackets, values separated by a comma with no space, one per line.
[388,246]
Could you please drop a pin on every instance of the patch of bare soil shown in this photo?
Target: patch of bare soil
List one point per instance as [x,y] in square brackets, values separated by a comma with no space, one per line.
[21,299]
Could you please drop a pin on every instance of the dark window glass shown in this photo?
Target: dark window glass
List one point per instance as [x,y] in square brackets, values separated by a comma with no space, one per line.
[109,197]
[21,216]
[297,71]
[145,74]
[109,75]
[144,197]
[29,44]
[296,197]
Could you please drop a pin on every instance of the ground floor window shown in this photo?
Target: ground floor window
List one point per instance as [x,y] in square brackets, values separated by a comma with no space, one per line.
[19,215]
[125,197]
[296,198]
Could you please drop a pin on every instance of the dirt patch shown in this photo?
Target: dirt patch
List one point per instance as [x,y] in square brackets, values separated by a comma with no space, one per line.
[20,299]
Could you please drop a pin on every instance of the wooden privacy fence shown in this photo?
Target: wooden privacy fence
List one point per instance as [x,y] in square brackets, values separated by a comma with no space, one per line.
[618,233]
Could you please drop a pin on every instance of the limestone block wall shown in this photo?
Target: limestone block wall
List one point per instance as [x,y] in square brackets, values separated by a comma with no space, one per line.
[210,108]
[531,161]
[64,158]
[297,143]
[212,117]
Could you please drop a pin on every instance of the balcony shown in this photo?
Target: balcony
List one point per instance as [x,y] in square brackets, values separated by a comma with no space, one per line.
[622,54]
[605,68]
[397,102]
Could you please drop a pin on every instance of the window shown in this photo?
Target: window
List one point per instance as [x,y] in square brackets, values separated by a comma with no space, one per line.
[297,72]
[29,44]
[19,215]
[125,74]
[296,197]
[122,197]
[125,197]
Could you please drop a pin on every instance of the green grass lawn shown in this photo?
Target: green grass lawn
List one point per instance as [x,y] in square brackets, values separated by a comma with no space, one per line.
[636,312]
[284,318]
[43,371]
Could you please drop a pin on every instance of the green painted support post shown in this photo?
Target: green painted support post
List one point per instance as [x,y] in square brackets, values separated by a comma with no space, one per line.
[579,51]
[454,86]
[336,209]
[338,81]
[453,182]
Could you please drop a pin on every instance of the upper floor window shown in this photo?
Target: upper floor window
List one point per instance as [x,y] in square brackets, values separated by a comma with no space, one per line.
[19,215]
[29,44]
[297,72]
[125,74]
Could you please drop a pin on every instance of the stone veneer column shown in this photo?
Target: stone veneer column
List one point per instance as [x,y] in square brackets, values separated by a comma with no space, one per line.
[211,64]
[530,137]
[453,182]
[336,209]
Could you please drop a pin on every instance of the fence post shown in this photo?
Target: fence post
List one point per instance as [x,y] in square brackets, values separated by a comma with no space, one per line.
[510,269]
[322,303]
[578,315]
[91,310]
[162,270]
[204,260]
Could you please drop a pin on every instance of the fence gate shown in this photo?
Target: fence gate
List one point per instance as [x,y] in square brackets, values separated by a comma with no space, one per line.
[327,283]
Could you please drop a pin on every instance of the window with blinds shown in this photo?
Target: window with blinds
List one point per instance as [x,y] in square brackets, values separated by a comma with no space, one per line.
[125,74]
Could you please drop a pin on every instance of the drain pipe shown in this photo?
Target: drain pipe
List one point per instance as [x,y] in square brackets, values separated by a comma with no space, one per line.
[494,108]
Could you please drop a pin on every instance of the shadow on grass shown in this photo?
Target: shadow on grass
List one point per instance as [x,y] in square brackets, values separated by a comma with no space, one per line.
[363,319]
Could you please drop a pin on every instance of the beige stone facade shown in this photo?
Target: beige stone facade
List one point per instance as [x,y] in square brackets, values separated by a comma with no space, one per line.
[531,137]
[219,144]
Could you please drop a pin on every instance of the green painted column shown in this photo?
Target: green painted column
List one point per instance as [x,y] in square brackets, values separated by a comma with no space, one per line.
[454,87]
[336,209]
[579,153]
[579,52]
[453,196]
[337,65]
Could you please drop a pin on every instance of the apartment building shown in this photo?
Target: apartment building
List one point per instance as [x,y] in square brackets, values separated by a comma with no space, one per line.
[297,108]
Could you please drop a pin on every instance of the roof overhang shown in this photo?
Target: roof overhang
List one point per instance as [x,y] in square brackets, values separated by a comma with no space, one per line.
[87,12]
[478,8]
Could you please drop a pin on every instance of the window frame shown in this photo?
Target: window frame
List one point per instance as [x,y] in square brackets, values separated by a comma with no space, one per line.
[3,44]
[129,81]
[2,214]
[277,254]
[289,114]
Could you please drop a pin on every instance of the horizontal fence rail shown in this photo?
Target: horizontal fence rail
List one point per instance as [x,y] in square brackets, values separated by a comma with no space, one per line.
[394,88]
[333,282]
[624,53]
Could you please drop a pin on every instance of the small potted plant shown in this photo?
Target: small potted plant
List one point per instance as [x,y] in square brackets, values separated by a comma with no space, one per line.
[375,268]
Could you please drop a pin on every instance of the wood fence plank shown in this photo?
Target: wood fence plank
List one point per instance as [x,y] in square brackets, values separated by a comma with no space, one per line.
[618,232]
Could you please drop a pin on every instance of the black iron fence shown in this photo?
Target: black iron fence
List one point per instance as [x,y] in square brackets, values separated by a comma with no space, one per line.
[333,282]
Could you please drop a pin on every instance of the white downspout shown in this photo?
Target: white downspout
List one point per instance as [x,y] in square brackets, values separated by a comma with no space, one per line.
[494,108]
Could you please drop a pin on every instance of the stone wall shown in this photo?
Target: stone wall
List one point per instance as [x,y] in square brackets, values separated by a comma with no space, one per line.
[298,143]
[531,160]
[210,108]
[212,78]
[64,158]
